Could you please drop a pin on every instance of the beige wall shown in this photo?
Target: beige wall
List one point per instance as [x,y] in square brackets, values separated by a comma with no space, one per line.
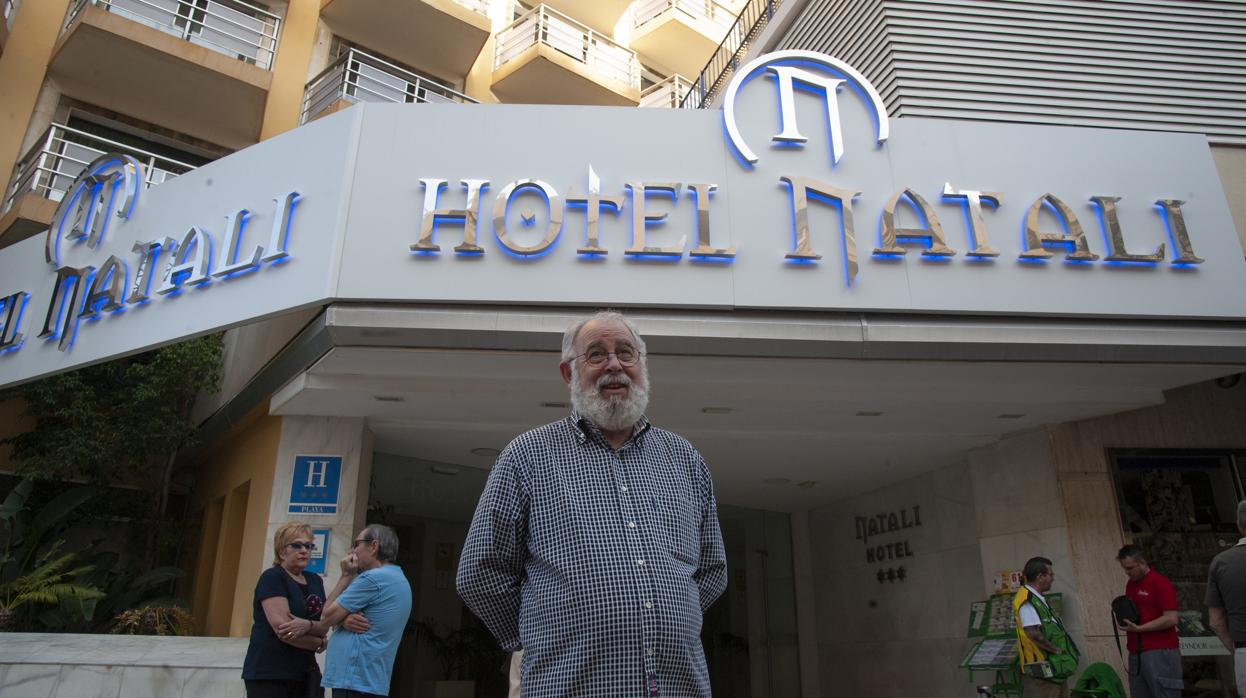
[902,638]
[23,66]
[233,486]
[294,53]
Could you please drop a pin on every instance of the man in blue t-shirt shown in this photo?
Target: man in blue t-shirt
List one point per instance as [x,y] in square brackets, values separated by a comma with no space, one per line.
[359,664]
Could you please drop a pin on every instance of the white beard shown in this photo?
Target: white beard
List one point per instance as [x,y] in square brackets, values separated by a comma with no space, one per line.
[612,413]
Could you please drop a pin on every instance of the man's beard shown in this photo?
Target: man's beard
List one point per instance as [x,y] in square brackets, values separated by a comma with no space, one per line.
[611,413]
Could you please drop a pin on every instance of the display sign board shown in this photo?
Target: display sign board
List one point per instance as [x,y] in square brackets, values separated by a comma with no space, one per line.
[320,536]
[314,489]
[800,194]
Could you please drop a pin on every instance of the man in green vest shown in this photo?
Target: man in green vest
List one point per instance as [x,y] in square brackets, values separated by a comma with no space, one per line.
[1044,647]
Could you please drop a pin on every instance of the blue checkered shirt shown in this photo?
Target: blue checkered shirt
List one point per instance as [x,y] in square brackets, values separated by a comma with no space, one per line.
[597,563]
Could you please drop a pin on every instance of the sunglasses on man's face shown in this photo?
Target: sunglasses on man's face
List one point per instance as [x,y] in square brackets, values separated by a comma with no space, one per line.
[302,546]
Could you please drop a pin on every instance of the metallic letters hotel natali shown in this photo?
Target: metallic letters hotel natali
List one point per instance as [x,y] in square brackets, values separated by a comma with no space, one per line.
[589,205]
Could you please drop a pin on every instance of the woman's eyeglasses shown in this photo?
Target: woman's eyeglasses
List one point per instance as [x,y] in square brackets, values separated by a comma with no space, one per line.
[302,546]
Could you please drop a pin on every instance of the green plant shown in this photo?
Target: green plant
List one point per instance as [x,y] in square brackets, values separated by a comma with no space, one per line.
[154,620]
[50,582]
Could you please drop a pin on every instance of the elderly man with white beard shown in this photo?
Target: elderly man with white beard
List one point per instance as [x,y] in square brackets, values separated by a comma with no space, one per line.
[596,547]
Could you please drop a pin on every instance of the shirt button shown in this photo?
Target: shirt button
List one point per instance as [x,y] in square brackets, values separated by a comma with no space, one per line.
[648,604]
[631,524]
[622,488]
[640,563]
[649,651]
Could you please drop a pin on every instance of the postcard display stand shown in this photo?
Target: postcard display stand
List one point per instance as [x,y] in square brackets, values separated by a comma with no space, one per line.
[996,651]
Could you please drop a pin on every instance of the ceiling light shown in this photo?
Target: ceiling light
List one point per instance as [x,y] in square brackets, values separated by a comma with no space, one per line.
[868,413]
[444,469]
[389,398]
[807,484]
[777,481]
[717,410]
[1010,415]
[556,405]
[486,452]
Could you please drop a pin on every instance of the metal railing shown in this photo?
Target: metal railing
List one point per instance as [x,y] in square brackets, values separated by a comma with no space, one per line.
[235,28]
[359,77]
[545,25]
[714,18]
[668,94]
[714,76]
[52,165]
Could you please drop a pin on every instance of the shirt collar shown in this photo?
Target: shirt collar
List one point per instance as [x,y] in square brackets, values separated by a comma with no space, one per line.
[1241,541]
[1035,592]
[584,428]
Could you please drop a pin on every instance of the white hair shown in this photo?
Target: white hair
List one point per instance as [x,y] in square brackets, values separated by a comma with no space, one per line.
[569,337]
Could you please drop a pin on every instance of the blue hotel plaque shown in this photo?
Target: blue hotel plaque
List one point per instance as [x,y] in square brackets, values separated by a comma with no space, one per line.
[315,486]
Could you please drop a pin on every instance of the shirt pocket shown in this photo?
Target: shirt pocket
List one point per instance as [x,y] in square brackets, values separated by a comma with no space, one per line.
[680,518]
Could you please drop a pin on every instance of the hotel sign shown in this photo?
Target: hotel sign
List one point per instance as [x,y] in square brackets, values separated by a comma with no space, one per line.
[800,194]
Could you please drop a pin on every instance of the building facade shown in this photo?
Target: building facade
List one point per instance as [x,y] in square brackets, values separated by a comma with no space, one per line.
[893,430]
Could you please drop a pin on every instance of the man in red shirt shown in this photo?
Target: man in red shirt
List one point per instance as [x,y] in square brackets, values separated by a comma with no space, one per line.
[1154,654]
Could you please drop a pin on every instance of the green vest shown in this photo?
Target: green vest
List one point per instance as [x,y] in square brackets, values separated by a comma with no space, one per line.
[1063,665]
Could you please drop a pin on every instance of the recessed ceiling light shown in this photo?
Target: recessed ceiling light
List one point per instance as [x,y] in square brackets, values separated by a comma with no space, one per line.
[777,481]
[868,413]
[444,469]
[807,484]
[485,451]
[556,405]
[717,410]
[1010,415]
[389,398]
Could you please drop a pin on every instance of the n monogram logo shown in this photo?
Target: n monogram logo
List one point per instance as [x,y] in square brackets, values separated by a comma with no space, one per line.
[792,68]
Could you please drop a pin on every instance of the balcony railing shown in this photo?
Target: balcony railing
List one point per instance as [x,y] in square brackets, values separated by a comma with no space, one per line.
[714,76]
[715,18]
[235,28]
[359,77]
[545,25]
[51,167]
[668,94]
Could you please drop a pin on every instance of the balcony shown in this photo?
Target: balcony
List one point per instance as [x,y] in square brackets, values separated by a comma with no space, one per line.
[44,174]
[601,15]
[440,37]
[201,67]
[680,35]
[668,94]
[545,57]
[359,77]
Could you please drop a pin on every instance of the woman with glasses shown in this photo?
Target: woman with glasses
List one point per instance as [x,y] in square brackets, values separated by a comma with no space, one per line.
[283,665]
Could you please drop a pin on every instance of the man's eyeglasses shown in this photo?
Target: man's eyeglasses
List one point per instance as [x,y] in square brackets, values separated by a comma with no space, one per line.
[355,544]
[301,546]
[627,356]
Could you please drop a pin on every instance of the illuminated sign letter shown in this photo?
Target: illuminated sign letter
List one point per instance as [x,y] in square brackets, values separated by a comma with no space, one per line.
[801,188]
[593,201]
[107,287]
[702,192]
[1075,237]
[892,236]
[283,216]
[189,264]
[555,215]
[640,219]
[433,215]
[147,253]
[11,310]
[58,323]
[84,210]
[977,229]
[1180,236]
[235,226]
[1116,239]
